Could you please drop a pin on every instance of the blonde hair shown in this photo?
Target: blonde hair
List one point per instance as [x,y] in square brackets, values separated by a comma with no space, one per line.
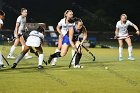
[65,13]
[124,15]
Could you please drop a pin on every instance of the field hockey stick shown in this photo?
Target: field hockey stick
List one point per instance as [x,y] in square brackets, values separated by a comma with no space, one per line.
[117,37]
[5,60]
[36,53]
[74,56]
[94,58]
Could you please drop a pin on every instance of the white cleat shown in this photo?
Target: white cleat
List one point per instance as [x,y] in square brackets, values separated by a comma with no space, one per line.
[53,63]
[120,59]
[131,58]
[78,66]
[28,57]
[11,57]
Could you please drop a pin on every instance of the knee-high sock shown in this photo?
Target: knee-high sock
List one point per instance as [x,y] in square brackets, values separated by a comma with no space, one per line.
[130,51]
[55,59]
[1,62]
[57,54]
[12,51]
[26,53]
[40,59]
[120,51]
[77,59]
[20,56]
[73,52]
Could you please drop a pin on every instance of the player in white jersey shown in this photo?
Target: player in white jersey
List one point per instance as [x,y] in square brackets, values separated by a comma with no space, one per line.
[62,29]
[2,15]
[35,39]
[122,32]
[18,33]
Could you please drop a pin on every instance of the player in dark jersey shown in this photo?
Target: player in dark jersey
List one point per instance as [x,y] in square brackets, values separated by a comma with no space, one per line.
[71,38]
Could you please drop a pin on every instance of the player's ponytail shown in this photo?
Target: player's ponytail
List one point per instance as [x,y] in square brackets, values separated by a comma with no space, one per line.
[74,20]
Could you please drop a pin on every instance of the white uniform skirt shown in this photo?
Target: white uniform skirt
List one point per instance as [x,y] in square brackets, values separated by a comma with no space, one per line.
[33,41]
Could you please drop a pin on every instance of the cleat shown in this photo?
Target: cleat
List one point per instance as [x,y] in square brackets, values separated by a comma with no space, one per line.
[2,66]
[120,59]
[11,57]
[78,66]
[131,58]
[40,67]
[28,57]
[14,65]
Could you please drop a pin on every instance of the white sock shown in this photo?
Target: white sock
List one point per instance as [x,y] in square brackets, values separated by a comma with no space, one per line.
[40,59]
[73,52]
[12,50]
[1,62]
[130,51]
[120,51]
[26,53]
[55,59]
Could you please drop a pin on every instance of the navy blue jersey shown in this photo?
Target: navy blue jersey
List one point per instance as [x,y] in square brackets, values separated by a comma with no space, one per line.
[76,34]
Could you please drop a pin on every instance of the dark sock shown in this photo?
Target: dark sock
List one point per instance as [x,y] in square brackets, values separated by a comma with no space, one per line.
[77,59]
[57,54]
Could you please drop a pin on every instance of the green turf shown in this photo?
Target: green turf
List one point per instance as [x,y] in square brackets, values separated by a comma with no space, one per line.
[121,77]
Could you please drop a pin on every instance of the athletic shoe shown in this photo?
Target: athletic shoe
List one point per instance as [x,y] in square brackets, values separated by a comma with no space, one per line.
[11,57]
[131,58]
[14,65]
[120,59]
[28,57]
[50,59]
[53,63]
[77,66]
[2,66]
[40,67]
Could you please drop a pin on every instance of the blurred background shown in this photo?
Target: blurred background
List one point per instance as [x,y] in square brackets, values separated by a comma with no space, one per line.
[99,17]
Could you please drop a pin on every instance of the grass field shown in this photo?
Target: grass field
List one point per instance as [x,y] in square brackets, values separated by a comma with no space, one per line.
[120,77]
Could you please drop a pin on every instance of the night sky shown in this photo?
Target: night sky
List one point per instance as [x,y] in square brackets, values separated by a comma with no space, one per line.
[96,14]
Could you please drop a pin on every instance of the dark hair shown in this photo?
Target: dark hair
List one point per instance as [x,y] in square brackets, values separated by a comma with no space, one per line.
[40,29]
[2,13]
[22,9]
[74,20]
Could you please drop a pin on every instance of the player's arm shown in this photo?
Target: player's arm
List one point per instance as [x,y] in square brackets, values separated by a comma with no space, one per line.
[84,34]
[26,28]
[71,32]
[16,28]
[1,26]
[116,32]
[137,30]
[58,28]
[133,25]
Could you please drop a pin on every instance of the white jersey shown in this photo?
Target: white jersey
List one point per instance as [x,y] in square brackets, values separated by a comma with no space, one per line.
[64,26]
[37,34]
[1,22]
[34,39]
[22,21]
[123,28]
